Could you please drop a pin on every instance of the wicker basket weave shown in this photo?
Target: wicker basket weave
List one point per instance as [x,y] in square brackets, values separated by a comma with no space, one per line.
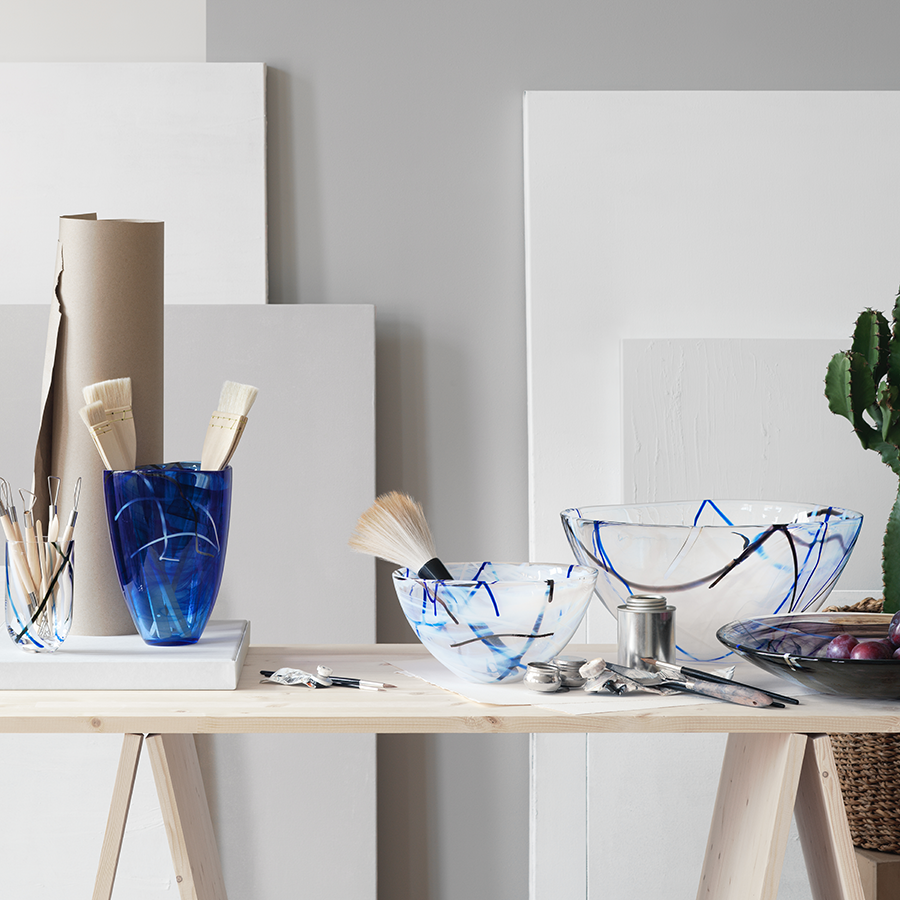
[868,766]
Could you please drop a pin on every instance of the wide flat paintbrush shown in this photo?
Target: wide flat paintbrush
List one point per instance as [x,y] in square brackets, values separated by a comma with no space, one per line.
[226,425]
[115,395]
[394,528]
[104,436]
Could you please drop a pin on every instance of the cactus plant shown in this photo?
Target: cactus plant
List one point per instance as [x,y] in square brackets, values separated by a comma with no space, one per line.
[863,385]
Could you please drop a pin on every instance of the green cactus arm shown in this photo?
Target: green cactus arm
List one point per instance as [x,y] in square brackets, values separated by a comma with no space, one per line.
[894,355]
[890,455]
[850,390]
[890,560]
[872,341]
[888,415]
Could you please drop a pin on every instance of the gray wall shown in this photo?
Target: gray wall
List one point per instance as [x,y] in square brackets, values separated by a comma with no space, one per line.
[395,178]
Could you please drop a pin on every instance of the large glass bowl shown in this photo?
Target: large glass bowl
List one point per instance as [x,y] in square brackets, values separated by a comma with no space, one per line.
[715,561]
[790,647]
[495,618]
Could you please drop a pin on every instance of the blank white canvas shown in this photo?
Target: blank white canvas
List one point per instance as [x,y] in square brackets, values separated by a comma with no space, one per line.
[692,215]
[675,223]
[179,142]
[104,30]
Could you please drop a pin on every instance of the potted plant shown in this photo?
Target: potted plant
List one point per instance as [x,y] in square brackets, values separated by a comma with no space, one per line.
[863,385]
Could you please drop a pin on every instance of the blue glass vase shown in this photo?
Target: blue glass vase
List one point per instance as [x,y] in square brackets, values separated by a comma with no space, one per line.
[168,526]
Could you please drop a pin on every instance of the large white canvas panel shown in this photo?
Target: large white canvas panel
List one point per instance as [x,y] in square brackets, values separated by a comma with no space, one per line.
[303,472]
[692,215]
[104,30]
[179,142]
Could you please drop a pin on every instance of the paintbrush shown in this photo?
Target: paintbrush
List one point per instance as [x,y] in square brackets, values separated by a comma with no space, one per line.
[226,425]
[394,528]
[104,436]
[115,396]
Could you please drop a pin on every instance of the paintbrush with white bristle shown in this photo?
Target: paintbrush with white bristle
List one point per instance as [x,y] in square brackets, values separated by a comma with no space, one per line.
[394,528]
[104,436]
[226,425]
[115,395]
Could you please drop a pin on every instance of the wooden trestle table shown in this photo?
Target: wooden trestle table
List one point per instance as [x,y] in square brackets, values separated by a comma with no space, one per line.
[776,761]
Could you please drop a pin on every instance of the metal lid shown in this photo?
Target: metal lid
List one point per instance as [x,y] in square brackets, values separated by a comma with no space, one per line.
[645,602]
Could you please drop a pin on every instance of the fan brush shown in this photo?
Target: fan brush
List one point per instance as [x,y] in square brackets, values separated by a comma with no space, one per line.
[394,528]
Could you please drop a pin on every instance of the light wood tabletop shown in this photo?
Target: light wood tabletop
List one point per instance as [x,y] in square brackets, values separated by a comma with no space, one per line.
[414,706]
[778,762]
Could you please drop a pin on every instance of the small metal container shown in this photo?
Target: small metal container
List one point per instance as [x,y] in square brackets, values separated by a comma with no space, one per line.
[568,670]
[646,628]
[543,677]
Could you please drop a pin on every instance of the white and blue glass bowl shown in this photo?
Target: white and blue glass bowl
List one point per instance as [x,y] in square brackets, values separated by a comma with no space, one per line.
[715,561]
[495,618]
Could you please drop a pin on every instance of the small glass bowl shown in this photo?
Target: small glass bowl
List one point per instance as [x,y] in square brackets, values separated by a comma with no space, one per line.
[495,618]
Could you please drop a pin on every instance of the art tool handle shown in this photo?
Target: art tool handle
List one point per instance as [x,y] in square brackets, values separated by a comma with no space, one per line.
[359,683]
[719,679]
[435,570]
[732,693]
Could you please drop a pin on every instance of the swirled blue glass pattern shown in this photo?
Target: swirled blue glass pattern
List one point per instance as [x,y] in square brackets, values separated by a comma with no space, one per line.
[715,561]
[494,618]
[168,526]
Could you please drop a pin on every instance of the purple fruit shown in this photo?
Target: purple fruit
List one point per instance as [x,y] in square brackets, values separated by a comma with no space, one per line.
[870,650]
[896,654]
[841,647]
[894,630]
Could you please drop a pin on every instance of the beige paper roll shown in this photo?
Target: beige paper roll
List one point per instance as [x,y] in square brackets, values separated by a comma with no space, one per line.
[110,295]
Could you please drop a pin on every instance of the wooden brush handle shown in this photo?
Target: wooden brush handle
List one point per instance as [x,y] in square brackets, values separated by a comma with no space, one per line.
[745,696]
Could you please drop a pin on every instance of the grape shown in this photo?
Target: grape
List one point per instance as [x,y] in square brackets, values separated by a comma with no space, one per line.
[841,646]
[870,650]
[894,630]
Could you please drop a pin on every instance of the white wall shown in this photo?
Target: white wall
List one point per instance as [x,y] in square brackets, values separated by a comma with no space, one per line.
[396,178]
[395,167]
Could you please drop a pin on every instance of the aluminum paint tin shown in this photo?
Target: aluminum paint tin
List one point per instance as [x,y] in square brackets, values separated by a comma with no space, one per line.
[646,628]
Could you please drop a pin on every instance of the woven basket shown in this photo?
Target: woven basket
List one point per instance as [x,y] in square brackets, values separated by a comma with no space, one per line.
[868,766]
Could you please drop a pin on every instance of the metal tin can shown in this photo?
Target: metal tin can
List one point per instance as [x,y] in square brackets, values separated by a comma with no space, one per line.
[568,669]
[542,677]
[646,628]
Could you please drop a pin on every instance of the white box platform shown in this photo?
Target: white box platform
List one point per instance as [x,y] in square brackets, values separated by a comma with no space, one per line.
[126,663]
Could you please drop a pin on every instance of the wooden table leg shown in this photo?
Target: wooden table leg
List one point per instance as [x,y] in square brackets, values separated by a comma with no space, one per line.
[752,817]
[118,814]
[182,800]
[822,823]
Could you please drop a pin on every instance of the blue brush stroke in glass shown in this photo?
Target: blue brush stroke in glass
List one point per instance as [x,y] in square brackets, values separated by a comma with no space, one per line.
[168,526]
[703,506]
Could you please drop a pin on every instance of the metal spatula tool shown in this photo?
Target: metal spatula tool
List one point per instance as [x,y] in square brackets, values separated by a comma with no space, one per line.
[732,693]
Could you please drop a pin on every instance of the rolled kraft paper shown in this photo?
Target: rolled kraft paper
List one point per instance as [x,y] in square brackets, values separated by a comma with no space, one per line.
[110,292]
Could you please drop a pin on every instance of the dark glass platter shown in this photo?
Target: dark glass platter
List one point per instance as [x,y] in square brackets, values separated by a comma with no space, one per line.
[787,646]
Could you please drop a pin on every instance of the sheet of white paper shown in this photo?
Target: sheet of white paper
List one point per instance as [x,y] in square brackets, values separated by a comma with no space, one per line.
[575,702]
